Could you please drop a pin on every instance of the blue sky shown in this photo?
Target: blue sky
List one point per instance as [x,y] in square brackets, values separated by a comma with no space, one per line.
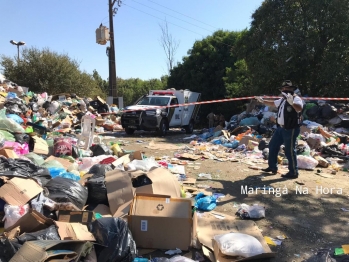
[68,26]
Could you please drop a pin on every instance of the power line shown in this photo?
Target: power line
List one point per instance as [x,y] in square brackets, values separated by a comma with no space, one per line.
[174,24]
[173,16]
[182,14]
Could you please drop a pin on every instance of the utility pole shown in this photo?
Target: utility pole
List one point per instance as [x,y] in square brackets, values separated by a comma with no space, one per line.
[113,92]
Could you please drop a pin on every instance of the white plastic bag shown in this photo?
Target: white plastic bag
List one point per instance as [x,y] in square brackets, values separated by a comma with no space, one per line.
[306,162]
[145,164]
[180,259]
[13,214]
[238,244]
[254,211]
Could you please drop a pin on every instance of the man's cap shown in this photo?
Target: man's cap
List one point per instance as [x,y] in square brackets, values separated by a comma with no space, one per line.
[287,83]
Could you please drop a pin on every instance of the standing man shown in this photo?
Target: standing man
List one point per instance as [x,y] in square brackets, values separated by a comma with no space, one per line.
[210,118]
[288,120]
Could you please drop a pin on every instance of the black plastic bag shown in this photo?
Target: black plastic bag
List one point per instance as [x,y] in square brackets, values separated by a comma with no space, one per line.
[141,180]
[67,190]
[312,112]
[263,144]
[97,191]
[328,111]
[49,233]
[99,170]
[23,168]
[7,250]
[116,238]
[98,150]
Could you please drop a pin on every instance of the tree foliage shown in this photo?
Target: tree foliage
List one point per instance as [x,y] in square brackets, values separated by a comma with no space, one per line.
[133,88]
[210,68]
[305,41]
[48,71]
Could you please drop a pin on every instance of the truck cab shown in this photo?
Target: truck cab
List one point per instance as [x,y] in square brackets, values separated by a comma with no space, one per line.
[161,110]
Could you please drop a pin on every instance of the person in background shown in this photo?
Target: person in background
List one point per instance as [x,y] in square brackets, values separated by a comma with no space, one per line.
[289,118]
[210,118]
[221,120]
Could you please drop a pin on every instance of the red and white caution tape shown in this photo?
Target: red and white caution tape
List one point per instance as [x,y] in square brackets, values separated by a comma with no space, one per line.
[230,99]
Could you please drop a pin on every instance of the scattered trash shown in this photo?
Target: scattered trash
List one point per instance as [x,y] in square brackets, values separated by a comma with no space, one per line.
[203,175]
[173,252]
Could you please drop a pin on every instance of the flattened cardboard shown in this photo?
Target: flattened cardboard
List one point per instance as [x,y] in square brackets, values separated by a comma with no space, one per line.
[55,250]
[190,180]
[220,257]
[83,217]
[163,183]
[74,231]
[207,226]
[189,156]
[31,222]
[41,146]
[150,217]
[208,253]
[125,159]
[8,153]
[18,191]
[119,189]
[103,210]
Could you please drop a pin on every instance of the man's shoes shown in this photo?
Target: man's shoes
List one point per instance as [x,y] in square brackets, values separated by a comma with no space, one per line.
[290,176]
[267,170]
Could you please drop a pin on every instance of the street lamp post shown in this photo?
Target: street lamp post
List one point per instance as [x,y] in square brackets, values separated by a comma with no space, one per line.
[18,44]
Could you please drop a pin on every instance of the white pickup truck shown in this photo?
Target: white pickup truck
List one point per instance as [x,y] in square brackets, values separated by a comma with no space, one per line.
[161,110]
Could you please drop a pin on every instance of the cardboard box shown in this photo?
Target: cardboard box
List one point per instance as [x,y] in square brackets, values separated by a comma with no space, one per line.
[119,191]
[83,217]
[163,183]
[207,226]
[8,152]
[161,222]
[74,231]
[18,191]
[33,221]
[50,250]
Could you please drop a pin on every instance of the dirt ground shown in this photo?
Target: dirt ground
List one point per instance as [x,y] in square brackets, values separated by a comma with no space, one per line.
[310,220]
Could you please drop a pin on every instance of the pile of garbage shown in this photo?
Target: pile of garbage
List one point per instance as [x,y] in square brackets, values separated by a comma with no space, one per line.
[323,142]
[68,195]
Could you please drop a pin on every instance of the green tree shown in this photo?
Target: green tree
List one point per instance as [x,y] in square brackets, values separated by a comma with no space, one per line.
[47,71]
[102,84]
[205,70]
[305,41]
[133,88]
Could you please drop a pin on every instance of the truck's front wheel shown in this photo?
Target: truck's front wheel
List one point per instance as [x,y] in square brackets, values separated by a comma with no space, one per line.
[163,127]
[189,128]
[129,131]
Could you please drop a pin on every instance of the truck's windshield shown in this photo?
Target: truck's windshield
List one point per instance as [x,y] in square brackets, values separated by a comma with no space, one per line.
[154,101]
